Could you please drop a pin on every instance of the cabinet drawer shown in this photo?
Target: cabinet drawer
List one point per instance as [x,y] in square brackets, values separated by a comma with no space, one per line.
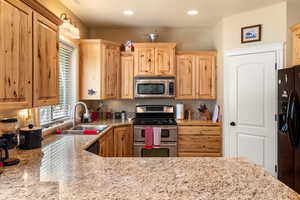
[199,144]
[199,130]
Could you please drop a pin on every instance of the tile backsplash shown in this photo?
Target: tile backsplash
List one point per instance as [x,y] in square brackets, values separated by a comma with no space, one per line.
[129,105]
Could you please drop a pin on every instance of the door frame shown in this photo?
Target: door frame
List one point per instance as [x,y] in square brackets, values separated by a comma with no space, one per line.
[278,49]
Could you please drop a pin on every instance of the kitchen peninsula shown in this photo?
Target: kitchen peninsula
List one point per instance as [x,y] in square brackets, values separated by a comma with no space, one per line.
[63,169]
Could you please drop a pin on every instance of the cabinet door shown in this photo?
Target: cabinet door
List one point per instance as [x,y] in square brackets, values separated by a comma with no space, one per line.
[127,67]
[90,70]
[111,69]
[46,69]
[204,77]
[15,55]
[185,82]
[106,145]
[164,61]
[296,47]
[123,142]
[144,62]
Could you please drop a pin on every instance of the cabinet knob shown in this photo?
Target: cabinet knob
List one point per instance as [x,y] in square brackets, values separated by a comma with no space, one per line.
[91,92]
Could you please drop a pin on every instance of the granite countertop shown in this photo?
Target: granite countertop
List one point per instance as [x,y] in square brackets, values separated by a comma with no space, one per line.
[63,170]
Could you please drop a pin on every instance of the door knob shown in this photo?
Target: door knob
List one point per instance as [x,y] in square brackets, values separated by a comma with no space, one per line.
[232,124]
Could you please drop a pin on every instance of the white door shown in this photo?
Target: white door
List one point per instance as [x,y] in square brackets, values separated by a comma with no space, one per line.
[252,107]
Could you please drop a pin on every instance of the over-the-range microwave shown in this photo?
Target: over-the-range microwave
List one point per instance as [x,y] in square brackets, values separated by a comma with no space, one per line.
[154,87]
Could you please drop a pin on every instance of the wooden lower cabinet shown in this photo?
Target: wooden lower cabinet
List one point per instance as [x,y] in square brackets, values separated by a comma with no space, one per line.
[123,141]
[106,144]
[199,141]
[117,142]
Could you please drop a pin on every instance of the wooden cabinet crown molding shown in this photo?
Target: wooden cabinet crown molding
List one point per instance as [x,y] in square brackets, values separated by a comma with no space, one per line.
[155,45]
[35,5]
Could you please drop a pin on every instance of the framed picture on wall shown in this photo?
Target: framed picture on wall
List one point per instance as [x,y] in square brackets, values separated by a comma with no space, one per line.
[251,33]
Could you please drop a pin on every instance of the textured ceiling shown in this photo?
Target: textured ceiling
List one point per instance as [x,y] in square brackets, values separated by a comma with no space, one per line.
[159,13]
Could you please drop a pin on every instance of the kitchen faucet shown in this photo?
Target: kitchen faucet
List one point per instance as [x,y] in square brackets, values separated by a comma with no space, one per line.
[85,115]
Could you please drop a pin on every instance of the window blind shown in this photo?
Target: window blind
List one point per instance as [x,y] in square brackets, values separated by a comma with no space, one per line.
[61,111]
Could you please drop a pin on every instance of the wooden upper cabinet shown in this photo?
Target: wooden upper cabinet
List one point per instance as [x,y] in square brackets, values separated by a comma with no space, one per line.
[46,70]
[196,75]
[145,65]
[99,70]
[111,71]
[205,80]
[154,59]
[127,73]
[15,55]
[185,64]
[296,44]
[28,55]
[164,61]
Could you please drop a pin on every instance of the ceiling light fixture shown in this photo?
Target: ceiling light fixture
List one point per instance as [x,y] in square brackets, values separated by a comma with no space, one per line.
[128,12]
[192,12]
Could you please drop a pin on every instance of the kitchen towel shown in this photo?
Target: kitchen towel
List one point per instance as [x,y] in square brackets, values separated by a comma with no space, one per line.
[156,137]
[148,138]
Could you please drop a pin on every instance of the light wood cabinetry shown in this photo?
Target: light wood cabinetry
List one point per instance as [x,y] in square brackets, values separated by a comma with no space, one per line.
[15,55]
[28,55]
[296,44]
[196,75]
[154,59]
[123,141]
[199,141]
[127,73]
[45,58]
[106,145]
[99,69]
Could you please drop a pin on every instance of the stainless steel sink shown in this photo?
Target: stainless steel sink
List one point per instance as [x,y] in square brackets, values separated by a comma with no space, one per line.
[78,130]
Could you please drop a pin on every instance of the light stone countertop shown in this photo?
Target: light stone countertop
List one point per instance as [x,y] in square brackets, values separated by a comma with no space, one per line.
[63,170]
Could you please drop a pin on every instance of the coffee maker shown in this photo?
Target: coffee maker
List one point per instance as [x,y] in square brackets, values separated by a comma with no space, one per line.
[9,139]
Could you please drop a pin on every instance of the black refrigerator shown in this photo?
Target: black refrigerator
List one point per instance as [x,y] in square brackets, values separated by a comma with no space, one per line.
[289,127]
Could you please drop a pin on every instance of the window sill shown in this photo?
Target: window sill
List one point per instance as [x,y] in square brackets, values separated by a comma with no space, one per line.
[51,130]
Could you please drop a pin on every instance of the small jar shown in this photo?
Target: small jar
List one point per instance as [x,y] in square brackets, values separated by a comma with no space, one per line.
[8,125]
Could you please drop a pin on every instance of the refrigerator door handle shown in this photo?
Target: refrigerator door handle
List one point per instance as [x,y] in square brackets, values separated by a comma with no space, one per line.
[289,118]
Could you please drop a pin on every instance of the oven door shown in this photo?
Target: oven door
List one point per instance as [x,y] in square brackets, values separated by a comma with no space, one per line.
[165,150]
[168,133]
[151,88]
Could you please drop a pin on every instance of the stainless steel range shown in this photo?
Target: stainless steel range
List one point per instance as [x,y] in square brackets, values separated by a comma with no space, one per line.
[162,116]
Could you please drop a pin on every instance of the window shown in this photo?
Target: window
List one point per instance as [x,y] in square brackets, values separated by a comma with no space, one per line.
[62,111]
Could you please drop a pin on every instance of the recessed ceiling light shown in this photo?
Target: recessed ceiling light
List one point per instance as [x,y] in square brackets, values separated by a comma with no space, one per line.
[128,12]
[192,12]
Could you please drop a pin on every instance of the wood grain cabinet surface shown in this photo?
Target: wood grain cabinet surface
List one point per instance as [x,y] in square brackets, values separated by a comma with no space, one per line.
[99,70]
[106,145]
[199,141]
[28,55]
[46,69]
[123,141]
[127,74]
[196,75]
[117,142]
[154,59]
[296,44]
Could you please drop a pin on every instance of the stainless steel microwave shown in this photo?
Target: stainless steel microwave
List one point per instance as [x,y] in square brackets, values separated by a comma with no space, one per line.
[162,87]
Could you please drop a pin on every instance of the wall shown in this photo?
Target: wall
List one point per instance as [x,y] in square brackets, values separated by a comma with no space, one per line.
[187,38]
[293,17]
[58,8]
[227,34]
[272,18]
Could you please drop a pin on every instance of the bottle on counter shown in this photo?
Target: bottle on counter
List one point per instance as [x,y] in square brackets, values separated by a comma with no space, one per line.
[123,115]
